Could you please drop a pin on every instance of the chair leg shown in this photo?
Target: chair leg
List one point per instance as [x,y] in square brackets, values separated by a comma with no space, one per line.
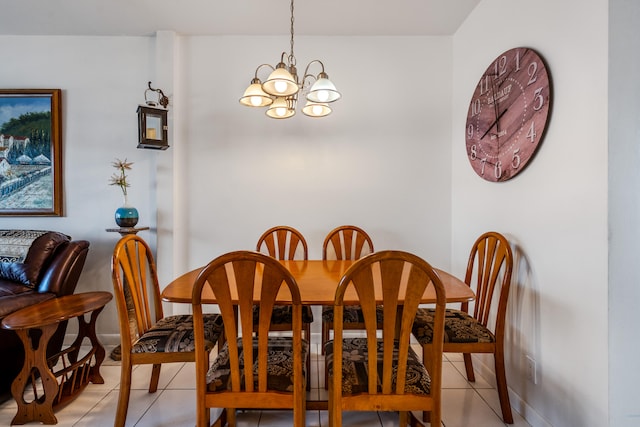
[325,336]
[222,419]
[307,336]
[123,395]
[307,332]
[326,376]
[468,366]
[413,421]
[231,417]
[403,419]
[299,412]
[503,392]
[435,418]
[221,340]
[155,377]
[426,415]
[202,414]
[335,412]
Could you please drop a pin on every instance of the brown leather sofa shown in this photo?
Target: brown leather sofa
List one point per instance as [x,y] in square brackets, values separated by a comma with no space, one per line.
[51,269]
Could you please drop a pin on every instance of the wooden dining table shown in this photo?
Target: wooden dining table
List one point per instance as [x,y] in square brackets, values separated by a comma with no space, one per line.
[317,282]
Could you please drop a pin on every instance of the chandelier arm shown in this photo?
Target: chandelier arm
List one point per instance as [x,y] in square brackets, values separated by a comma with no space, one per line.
[289,62]
[303,82]
[263,65]
[306,70]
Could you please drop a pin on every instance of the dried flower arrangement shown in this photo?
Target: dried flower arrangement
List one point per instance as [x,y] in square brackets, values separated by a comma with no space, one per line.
[120,178]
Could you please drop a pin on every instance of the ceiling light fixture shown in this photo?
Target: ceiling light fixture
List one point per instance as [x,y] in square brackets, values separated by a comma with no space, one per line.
[279,92]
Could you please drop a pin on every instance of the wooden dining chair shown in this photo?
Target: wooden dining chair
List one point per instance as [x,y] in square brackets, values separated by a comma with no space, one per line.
[384,373]
[285,243]
[260,371]
[490,267]
[147,336]
[346,242]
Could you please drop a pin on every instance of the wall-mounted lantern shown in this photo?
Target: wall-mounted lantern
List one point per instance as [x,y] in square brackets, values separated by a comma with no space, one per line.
[153,131]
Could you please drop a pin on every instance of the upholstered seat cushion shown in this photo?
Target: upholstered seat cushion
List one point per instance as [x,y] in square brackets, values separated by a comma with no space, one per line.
[279,365]
[459,327]
[351,314]
[355,369]
[282,314]
[174,334]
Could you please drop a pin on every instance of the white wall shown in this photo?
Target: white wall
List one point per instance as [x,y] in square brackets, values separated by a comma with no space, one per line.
[624,210]
[555,211]
[381,160]
[102,80]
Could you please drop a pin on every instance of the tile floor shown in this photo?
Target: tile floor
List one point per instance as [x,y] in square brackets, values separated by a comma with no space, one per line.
[464,404]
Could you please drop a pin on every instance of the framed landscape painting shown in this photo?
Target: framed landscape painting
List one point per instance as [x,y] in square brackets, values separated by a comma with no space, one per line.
[30,152]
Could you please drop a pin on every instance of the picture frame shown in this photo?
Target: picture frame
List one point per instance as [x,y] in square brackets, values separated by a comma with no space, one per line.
[31,152]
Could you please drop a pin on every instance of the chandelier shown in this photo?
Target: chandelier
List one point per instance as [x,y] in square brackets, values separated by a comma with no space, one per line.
[279,93]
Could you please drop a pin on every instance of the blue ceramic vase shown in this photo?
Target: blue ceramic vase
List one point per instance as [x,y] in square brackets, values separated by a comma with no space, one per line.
[126,215]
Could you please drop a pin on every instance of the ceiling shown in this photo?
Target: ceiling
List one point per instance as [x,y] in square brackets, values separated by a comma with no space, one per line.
[232,17]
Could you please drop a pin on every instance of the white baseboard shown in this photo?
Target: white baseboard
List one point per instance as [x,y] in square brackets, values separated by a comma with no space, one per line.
[517,403]
[105,339]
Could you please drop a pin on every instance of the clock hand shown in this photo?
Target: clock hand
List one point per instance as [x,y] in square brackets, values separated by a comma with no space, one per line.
[493,124]
[496,107]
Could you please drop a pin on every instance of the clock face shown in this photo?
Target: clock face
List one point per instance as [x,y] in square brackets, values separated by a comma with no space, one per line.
[508,114]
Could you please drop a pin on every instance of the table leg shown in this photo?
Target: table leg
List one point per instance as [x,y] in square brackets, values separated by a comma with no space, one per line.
[35,364]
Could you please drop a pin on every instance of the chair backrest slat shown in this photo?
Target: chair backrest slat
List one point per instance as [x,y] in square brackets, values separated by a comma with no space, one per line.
[491,262]
[136,287]
[283,243]
[402,279]
[346,242]
[258,279]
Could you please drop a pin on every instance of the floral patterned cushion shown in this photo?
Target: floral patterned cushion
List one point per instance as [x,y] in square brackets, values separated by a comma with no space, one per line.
[282,314]
[355,370]
[351,314]
[174,334]
[15,244]
[24,254]
[459,327]
[279,361]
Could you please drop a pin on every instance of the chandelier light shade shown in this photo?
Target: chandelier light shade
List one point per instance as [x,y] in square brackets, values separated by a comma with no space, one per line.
[280,91]
[282,108]
[281,82]
[316,109]
[323,90]
[254,96]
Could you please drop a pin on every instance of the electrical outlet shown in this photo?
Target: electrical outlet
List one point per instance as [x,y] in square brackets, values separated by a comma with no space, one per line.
[531,370]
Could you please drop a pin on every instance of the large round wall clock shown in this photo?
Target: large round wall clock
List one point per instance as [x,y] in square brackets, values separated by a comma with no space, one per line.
[508,114]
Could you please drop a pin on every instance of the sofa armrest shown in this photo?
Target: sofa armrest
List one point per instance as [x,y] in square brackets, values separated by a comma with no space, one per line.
[63,272]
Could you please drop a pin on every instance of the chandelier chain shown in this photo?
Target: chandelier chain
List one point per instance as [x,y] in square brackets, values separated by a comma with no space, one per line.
[292,58]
